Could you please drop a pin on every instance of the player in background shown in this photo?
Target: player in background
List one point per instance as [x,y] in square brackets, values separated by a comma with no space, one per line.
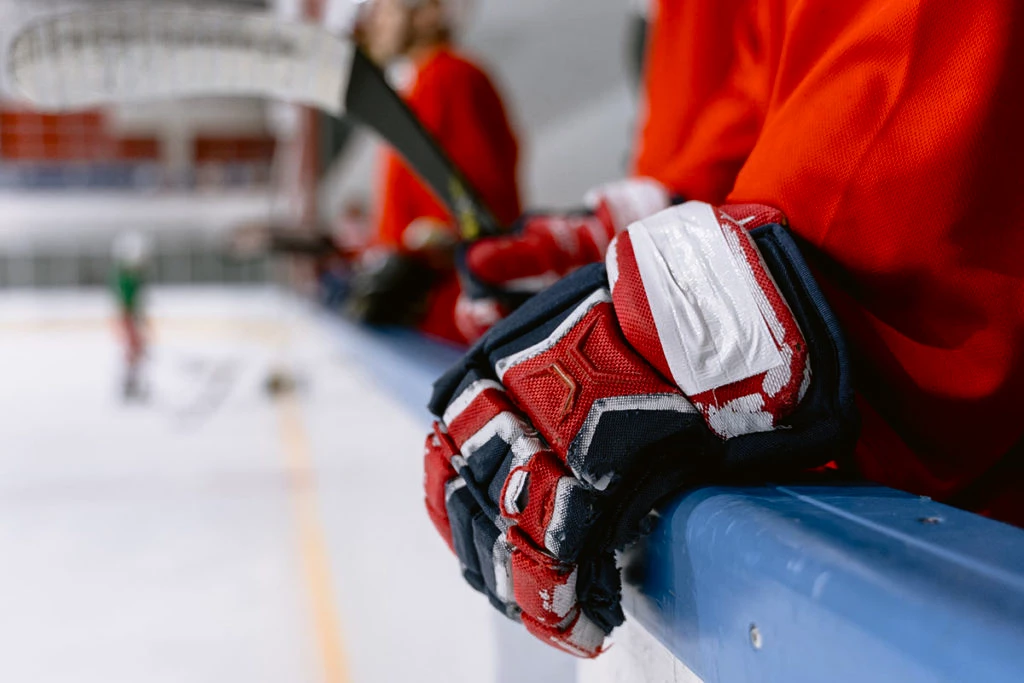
[885,136]
[458,103]
[131,259]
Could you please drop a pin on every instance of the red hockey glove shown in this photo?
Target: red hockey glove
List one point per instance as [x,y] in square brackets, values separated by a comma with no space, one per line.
[502,272]
[691,353]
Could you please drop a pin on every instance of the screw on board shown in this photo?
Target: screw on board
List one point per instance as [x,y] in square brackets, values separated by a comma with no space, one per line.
[931,520]
[755,637]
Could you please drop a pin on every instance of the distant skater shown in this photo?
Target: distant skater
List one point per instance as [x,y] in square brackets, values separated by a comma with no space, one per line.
[131,258]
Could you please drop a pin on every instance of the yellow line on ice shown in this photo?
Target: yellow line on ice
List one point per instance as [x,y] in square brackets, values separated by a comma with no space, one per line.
[295,441]
[313,545]
[176,327]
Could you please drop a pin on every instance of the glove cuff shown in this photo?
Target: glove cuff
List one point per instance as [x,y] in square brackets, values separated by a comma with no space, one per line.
[624,202]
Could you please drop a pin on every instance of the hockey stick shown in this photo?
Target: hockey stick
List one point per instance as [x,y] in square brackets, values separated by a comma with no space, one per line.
[81,59]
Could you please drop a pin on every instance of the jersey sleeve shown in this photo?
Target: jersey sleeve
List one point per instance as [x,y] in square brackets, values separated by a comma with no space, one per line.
[892,140]
[706,87]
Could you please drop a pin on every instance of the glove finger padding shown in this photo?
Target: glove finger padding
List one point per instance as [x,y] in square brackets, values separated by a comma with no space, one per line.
[439,479]
[565,425]
[510,479]
[606,421]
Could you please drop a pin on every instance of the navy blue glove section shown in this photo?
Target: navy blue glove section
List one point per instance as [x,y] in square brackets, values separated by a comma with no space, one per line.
[826,425]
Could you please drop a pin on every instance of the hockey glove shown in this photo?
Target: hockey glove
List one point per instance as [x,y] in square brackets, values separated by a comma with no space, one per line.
[500,273]
[699,348]
[390,287]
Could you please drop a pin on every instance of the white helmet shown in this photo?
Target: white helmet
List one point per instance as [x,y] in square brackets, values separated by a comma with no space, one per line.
[131,250]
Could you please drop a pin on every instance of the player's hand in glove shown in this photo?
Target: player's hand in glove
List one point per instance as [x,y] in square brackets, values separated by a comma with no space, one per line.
[700,348]
[500,273]
[393,286]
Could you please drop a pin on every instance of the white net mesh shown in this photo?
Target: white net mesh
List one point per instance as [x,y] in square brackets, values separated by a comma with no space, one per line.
[152,51]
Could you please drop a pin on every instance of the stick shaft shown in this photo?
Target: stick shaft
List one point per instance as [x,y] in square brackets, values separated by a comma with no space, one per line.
[372,102]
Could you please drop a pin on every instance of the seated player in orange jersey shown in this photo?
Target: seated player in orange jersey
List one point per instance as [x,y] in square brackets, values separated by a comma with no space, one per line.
[459,104]
[881,140]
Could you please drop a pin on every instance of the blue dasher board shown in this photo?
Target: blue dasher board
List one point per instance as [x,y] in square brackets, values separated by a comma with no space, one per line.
[832,584]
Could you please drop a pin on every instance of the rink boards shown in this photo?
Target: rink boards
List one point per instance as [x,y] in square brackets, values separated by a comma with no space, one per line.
[777,583]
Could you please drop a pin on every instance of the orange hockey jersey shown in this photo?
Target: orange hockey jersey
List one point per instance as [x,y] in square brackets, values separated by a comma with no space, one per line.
[460,106]
[891,133]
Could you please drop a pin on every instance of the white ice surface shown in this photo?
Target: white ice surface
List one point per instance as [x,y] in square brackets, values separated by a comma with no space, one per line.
[161,542]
